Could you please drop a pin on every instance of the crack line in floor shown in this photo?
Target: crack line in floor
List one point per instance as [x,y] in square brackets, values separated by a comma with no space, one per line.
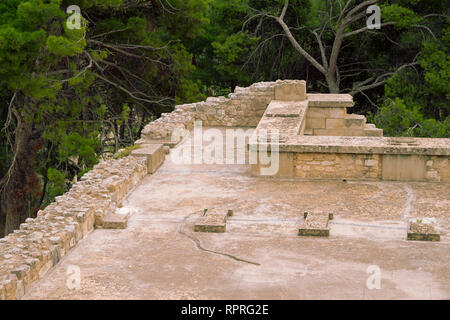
[199,244]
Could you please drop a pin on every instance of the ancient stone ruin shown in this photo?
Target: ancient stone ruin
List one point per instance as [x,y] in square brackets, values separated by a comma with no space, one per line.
[317,139]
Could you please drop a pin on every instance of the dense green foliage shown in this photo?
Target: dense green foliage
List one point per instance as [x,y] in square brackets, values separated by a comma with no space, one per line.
[70,96]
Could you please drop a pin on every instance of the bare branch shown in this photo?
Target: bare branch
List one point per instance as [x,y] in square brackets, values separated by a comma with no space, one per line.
[343,11]
[283,12]
[118,86]
[322,49]
[352,33]
[380,80]
[360,7]
[299,48]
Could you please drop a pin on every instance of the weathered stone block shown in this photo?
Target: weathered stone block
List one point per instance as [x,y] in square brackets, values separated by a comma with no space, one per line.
[304,156]
[339,132]
[286,109]
[328,113]
[403,167]
[213,221]
[154,153]
[371,163]
[315,123]
[330,100]
[422,230]
[373,132]
[316,224]
[355,121]
[290,91]
[335,123]
[285,161]
[115,221]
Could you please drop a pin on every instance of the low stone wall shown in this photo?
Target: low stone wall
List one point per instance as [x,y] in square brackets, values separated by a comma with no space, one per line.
[361,158]
[327,116]
[317,139]
[243,108]
[371,167]
[40,243]
[337,166]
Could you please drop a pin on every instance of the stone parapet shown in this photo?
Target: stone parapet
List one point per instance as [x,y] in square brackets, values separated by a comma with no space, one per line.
[243,108]
[365,145]
[40,243]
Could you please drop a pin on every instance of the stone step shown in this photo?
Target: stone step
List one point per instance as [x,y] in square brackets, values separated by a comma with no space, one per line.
[115,221]
[339,132]
[315,224]
[330,100]
[214,220]
[154,153]
[355,121]
[286,109]
[373,132]
[423,230]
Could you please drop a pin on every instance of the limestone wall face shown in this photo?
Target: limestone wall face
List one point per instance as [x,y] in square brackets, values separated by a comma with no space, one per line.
[327,116]
[438,168]
[371,167]
[243,108]
[337,166]
[40,243]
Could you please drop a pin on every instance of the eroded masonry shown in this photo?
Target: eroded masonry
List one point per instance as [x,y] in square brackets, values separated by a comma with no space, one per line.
[318,139]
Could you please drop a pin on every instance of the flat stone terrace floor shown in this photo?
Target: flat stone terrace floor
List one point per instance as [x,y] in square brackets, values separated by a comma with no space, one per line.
[159,257]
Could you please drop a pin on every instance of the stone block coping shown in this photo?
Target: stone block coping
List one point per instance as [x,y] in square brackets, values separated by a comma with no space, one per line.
[363,145]
[154,153]
[288,109]
[330,100]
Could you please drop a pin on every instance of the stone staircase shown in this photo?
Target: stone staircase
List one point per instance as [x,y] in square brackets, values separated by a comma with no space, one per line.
[327,116]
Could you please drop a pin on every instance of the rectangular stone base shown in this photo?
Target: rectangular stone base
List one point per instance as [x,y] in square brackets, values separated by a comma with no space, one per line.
[422,232]
[213,221]
[423,237]
[314,232]
[115,221]
[154,153]
[316,224]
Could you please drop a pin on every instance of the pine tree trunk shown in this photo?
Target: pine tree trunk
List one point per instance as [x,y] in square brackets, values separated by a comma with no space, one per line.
[21,191]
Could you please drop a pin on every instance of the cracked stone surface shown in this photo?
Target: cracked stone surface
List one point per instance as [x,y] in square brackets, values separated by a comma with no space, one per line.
[152,260]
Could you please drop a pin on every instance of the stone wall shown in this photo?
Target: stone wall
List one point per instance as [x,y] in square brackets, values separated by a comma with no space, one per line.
[40,243]
[337,166]
[438,168]
[371,167]
[327,116]
[318,140]
[243,108]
